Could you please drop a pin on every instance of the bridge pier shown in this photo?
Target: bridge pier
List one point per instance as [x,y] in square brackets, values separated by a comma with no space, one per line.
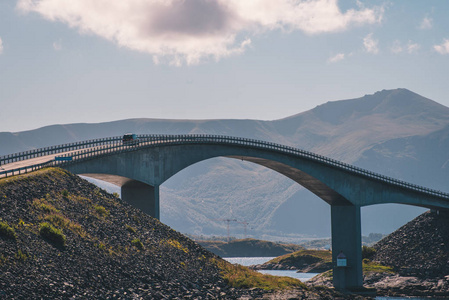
[346,238]
[142,196]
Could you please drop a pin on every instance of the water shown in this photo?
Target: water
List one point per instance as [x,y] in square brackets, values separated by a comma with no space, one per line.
[248,261]
[402,298]
[289,273]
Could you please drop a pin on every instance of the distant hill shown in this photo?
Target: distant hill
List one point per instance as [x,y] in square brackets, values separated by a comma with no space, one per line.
[248,248]
[394,132]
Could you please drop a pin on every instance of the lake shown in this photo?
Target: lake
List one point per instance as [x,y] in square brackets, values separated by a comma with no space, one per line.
[248,261]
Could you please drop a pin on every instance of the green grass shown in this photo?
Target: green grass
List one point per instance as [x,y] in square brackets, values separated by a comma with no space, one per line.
[130,229]
[241,277]
[7,231]
[65,193]
[324,255]
[101,211]
[57,220]
[44,206]
[137,243]
[371,266]
[176,244]
[3,259]
[44,171]
[368,252]
[52,234]
[63,222]
[367,267]
[20,256]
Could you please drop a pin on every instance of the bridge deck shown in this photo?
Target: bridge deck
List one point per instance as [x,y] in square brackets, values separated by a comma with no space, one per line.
[13,163]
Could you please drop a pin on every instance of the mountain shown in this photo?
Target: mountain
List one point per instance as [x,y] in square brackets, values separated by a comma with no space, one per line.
[393,132]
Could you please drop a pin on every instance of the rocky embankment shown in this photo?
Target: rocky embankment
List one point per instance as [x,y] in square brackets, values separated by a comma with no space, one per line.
[419,253]
[419,248]
[62,237]
[305,261]
[249,248]
[418,258]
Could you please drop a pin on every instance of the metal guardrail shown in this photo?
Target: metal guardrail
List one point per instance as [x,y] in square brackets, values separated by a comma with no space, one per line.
[26,169]
[114,145]
[15,157]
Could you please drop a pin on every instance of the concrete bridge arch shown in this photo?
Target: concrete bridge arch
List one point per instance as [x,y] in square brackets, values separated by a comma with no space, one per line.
[141,170]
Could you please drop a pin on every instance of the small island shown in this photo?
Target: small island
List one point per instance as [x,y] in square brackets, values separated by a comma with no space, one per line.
[305,261]
[249,248]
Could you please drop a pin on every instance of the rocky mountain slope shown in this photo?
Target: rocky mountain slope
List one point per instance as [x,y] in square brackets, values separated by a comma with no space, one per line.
[397,133]
[423,245]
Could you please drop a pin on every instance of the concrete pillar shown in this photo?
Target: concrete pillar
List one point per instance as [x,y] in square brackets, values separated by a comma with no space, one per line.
[347,238]
[142,196]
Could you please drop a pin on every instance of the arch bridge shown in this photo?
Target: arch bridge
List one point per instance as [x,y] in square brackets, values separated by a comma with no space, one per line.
[141,166]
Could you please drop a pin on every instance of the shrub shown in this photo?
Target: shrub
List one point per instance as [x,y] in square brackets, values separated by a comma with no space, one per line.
[116,195]
[63,222]
[371,266]
[137,243]
[7,232]
[177,245]
[57,220]
[368,252]
[100,246]
[130,229]
[52,234]
[65,193]
[21,256]
[45,206]
[101,210]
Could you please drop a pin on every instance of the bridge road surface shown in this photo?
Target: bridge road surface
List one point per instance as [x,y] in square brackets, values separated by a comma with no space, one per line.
[47,158]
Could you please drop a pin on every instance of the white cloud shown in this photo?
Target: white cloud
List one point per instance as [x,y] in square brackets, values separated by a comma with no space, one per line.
[396,48]
[185,31]
[336,58]
[412,47]
[370,44]
[57,45]
[443,48]
[426,23]
[1,46]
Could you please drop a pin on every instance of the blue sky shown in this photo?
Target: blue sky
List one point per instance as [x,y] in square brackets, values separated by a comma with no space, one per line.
[101,60]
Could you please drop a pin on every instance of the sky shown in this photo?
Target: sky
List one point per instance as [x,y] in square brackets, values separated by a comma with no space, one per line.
[90,61]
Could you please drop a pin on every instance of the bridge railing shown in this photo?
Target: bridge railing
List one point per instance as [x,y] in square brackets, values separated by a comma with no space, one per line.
[15,157]
[26,169]
[107,146]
